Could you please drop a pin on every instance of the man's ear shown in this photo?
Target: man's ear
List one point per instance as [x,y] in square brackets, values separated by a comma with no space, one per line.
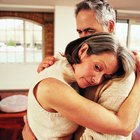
[83,51]
[111,26]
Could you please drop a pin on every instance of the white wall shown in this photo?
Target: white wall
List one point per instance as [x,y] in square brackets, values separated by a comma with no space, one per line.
[65,27]
[17,76]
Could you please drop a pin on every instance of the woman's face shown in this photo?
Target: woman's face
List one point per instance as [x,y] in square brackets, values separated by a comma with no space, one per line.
[94,69]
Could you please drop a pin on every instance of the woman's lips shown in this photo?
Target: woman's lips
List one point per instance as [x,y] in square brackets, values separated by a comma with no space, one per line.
[89,82]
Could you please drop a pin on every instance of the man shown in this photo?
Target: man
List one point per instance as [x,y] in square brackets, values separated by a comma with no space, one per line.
[94,16]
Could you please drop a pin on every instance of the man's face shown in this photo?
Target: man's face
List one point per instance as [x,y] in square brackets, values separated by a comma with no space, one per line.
[87,23]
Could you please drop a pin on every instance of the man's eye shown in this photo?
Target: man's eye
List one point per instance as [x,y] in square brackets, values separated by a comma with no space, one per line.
[79,32]
[90,31]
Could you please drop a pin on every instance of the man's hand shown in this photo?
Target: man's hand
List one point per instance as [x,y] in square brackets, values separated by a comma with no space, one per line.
[136,134]
[137,59]
[27,133]
[47,61]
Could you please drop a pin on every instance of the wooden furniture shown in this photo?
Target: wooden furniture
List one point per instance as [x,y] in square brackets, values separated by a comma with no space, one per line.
[11,122]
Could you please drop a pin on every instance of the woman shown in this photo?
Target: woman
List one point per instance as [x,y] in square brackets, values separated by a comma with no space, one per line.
[53,114]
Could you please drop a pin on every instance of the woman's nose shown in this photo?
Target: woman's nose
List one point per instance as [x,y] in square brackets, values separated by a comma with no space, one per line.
[97,79]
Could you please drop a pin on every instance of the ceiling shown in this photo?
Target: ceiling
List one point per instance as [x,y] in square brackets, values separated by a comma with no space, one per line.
[131,5]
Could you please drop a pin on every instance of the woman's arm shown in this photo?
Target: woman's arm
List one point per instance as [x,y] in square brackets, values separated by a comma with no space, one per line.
[121,123]
[90,114]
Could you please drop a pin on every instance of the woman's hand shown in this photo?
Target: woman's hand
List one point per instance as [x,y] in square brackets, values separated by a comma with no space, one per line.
[47,61]
[27,133]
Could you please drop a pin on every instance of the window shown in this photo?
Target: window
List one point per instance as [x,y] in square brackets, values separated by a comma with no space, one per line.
[127,32]
[122,31]
[134,40]
[20,41]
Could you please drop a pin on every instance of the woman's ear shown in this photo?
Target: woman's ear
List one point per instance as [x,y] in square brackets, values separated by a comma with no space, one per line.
[83,51]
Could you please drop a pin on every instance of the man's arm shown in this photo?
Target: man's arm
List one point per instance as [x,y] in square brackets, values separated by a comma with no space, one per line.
[136,134]
[131,106]
[27,133]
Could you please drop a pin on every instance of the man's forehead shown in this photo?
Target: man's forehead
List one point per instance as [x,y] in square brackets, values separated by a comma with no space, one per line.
[86,16]
[87,22]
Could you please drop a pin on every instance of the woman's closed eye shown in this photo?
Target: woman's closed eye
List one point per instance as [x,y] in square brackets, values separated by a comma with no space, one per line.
[98,68]
[107,76]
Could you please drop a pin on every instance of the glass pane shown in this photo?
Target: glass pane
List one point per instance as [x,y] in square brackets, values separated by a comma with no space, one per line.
[29,25]
[33,55]
[134,37]
[30,55]
[10,35]
[37,36]
[38,56]
[19,54]
[121,32]
[15,54]
[2,24]
[18,41]
[29,37]
[38,45]
[10,25]
[18,24]
[19,37]
[37,27]
[2,36]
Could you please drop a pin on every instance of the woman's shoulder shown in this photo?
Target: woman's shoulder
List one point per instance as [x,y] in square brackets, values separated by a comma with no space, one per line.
[47,90]
[51,90]
[51,84]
